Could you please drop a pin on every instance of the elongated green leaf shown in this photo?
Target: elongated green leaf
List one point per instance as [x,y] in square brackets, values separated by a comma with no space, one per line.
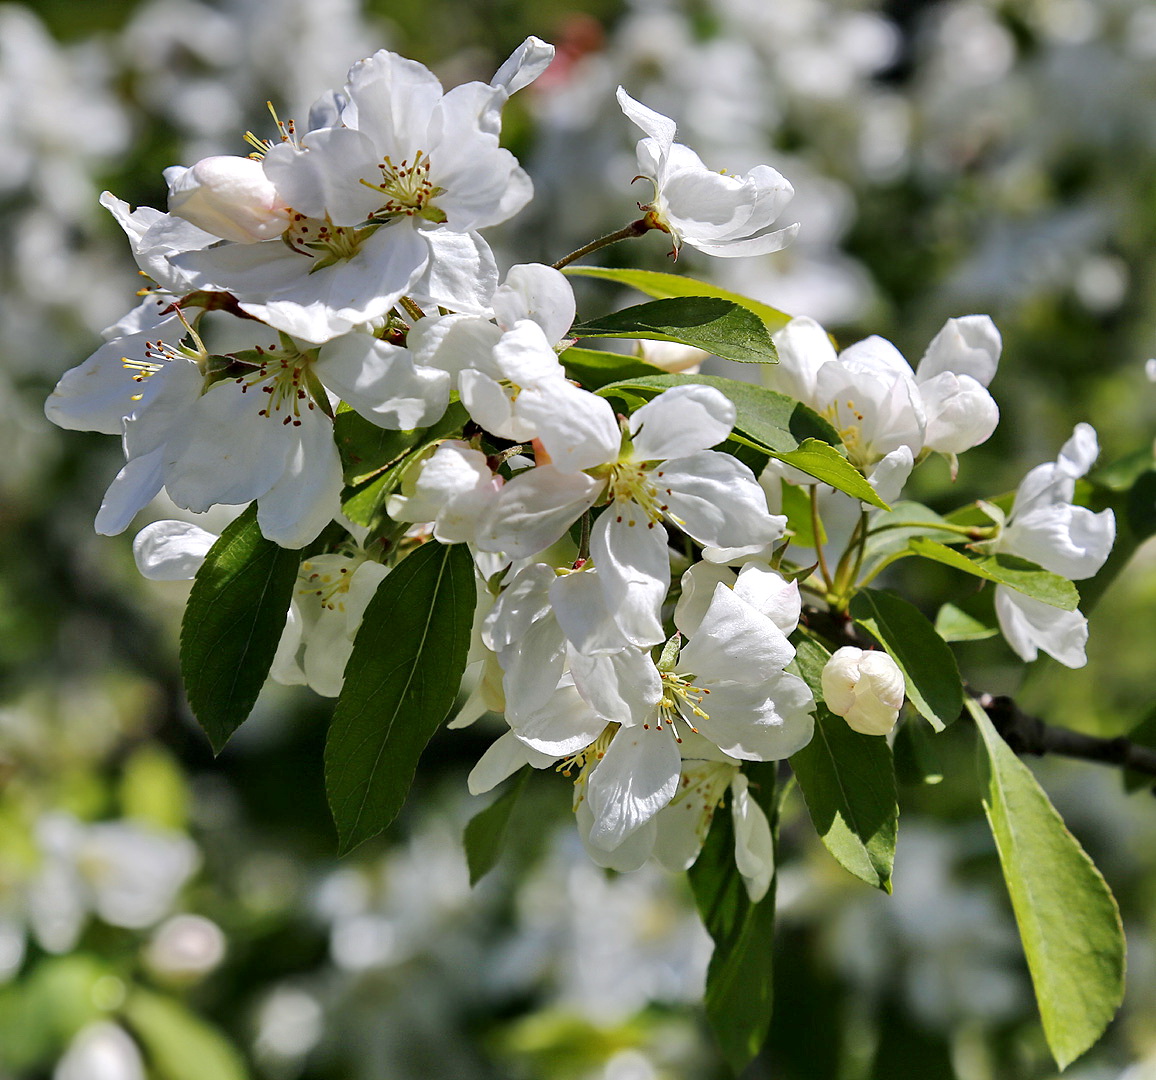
[664,286]
[233,621]
[954,624]
[934,687]
[485,833]
[400,682]
[739,983]
[719,326]
[180,1045]
[822,461]
[1019,574]
[848,783]
[1067,917]
[594,368]
[770,420]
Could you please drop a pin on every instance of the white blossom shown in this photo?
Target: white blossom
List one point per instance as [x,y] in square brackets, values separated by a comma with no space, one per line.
[716,213]
[865,687]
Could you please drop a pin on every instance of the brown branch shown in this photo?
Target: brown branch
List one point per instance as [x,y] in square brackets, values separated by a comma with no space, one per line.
[1025,734]
[1030,735]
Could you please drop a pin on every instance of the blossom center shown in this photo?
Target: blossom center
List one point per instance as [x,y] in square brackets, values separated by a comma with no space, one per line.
[284,374]
[681,700]
[329,585]
[631,482]
[322,240]
[407,188]
[849,424]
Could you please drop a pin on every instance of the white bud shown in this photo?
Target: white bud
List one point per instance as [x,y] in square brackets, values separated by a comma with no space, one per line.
[865,688]
[230,197]
[186,946]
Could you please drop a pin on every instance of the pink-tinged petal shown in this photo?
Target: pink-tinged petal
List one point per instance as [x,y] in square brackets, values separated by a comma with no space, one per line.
[624,686]
[754,844]
[307,497]
[382,382]
[539,293]
[577,428]
[171,550]
[767,722]
[1029,625]
[636,778]
[969,345]
[633,562]
[133,488]
[581,610]
[658,127]
[716,499]
[735,643]
[504,758]
[680,422]
[536,508]
[562,726]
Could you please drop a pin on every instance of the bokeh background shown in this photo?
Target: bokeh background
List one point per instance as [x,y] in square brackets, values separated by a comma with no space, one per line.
[171,917]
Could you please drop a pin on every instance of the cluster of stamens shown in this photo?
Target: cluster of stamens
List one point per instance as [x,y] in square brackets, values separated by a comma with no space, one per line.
[593,754]
[281,375]
[851,434]
[631,482]
[307,235]
[407,187]
[330,589]
[681,699]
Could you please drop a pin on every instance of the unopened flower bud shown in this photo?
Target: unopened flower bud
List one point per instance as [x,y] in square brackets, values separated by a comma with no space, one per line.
[865,688]
[230,197]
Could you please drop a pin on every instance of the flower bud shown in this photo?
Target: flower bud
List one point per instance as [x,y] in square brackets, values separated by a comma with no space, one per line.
[230,197]
[865,688]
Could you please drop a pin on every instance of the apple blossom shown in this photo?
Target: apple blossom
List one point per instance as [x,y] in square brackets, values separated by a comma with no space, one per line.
[865,687]
[713,212]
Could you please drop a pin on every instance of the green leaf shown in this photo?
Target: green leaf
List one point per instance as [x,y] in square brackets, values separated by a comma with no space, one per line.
[917,760]
[934,687]
[179,1044]
[485,833]
[400,682]
[822,461]
[739,983]
[770,420]
[890,532]
[796,505]
[721,327]
[232,624]
[1067,917]
[1010,570]
[594,367]
[954,624]
[1140,506]
[664,286]
[848,783]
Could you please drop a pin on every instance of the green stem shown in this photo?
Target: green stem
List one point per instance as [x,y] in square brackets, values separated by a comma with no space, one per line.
[635,228]
[972,532]
[584,539]
[817,531]
[877,570]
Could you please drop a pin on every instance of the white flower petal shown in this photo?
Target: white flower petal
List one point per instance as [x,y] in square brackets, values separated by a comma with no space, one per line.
[1029,625]
[536,508]
[633,563]
[504,757]
[754,844]
[635,779]
[171,550]
[681,421]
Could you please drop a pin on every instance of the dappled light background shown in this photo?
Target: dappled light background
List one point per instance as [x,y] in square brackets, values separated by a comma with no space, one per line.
[171,916]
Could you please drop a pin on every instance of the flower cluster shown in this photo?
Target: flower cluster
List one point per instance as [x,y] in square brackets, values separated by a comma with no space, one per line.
[341,267]
[637,617]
